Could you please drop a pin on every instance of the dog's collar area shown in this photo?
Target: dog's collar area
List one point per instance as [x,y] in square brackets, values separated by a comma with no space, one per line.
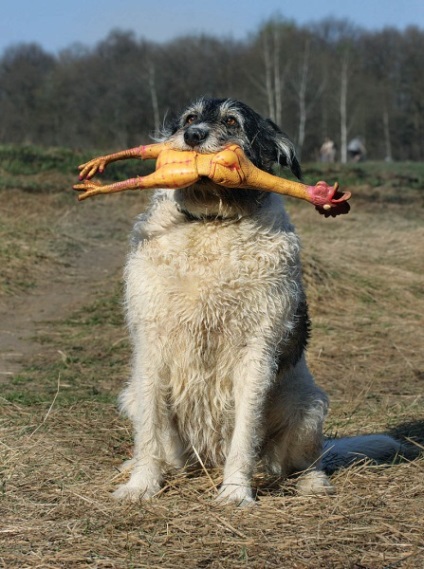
[190,217]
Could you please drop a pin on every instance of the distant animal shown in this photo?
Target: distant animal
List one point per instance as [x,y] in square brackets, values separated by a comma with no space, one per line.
[219,324]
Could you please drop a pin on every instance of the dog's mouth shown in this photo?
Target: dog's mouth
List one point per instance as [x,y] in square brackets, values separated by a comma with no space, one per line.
[205,184]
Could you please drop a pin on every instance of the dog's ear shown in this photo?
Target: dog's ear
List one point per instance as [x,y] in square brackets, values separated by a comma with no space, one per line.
[285,152]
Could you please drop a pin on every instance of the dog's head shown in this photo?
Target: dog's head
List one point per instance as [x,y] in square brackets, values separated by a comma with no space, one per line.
[208,125]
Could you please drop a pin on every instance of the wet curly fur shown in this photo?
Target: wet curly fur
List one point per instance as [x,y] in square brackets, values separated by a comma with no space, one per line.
[219,324]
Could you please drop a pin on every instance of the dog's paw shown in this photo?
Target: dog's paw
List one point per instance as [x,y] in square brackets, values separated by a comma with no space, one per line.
[314,483]
[131,492]
[127,465]
[235,495]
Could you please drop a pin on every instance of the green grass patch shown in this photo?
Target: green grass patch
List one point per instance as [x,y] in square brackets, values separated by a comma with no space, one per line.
[21,167]
[391,175]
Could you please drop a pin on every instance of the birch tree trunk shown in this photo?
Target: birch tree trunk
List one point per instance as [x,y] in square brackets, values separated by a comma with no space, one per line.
[154,96]
[387,141]
[274,77]
[278,82]
[302,98]
[343,109]
[269,83]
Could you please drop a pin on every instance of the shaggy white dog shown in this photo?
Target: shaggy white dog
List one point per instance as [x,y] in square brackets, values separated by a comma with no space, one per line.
[219,324]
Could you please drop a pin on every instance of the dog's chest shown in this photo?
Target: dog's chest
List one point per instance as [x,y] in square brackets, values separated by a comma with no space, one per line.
[211,279]
[207,265]
[202,292]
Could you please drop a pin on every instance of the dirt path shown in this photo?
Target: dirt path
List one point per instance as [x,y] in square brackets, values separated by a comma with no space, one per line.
[100,230]
[54,298]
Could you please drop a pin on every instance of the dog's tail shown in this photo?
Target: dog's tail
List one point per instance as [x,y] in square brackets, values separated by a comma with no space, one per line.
[379,449]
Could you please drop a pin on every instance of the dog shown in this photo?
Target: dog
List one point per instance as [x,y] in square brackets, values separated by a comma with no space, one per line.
[219,323]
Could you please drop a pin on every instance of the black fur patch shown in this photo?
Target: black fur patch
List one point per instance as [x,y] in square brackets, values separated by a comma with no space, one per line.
[295,345]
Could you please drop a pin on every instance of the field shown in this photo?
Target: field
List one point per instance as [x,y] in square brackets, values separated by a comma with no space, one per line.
[64,356]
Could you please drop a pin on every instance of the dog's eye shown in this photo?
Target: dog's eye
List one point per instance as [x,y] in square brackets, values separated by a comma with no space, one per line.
[231,121]
[190,119]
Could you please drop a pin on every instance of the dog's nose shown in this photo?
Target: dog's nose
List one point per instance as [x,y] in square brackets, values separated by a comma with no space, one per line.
[194,135]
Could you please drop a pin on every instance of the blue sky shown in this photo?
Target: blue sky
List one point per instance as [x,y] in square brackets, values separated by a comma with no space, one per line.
[56,24]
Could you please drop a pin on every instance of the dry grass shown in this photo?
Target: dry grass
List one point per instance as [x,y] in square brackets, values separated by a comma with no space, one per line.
[40,231]
[25,239]
[62,439]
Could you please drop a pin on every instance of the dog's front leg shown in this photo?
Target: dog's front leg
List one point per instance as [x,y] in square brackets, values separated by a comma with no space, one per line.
[142,401]
[252,377]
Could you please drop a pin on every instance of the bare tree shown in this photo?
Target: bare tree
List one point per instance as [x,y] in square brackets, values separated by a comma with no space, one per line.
[153,95]
[303,83]
[271,80]
[24,72]
[273,77]
[329,79]
[344,82]
[308,86]
[386,129]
